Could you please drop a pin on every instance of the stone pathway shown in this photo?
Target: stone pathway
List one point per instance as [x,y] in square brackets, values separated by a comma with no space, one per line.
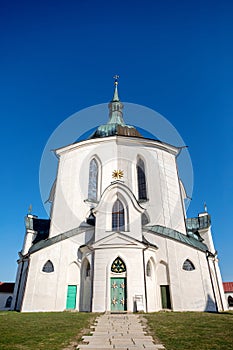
[122,332]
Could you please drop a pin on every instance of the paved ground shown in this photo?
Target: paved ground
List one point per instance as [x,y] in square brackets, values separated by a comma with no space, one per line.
[122,332]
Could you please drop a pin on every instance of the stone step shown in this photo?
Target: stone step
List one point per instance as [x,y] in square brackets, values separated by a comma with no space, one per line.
[122,332]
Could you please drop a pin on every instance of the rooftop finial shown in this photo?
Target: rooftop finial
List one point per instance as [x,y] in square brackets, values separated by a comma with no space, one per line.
[115,96]
[116,77]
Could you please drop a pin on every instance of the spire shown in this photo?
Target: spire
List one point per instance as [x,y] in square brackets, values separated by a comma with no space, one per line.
[115,125]
[115,106]
[115,96]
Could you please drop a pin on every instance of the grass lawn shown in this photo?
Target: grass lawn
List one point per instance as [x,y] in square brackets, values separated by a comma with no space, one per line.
[192,330]
[55,330]
[41,331]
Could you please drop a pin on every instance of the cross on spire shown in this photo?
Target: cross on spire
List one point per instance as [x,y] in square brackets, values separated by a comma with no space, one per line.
[116,77]
[115,96]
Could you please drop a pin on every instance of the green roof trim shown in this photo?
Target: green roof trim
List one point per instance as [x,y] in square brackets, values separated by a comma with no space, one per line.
[176,235]
[61,237]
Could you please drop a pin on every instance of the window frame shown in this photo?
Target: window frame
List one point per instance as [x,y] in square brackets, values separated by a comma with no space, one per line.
[115,261]
[118,216]
[149,269]
[93,180]
[141,180]
[8,301]
[188,265]
[51,266]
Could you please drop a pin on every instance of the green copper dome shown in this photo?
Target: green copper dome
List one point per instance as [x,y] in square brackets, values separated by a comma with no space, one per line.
[116,124]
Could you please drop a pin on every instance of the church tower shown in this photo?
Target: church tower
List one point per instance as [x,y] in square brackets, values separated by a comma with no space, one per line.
[118,239]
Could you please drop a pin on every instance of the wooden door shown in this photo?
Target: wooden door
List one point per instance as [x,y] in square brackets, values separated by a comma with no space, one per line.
[71,297]
[118,294]
[165,297]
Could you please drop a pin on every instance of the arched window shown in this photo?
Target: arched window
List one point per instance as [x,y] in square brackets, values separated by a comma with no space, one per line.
[118,216]
[93,180]
[8,301]
[118,265]
[48,267]
[230,301]
[142,193]
[148,269]
[88,270]
[188,265]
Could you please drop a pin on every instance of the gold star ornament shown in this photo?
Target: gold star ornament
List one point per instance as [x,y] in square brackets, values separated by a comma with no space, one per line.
[117,174]
[114,301]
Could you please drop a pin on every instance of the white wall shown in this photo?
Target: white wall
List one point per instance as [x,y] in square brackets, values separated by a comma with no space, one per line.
[190,290]
[164,205]
[101,285]
[48,291]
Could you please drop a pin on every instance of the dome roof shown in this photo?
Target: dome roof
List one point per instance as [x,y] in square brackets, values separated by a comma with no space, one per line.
[115,129]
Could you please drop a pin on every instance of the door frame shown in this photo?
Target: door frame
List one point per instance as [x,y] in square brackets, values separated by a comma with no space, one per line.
[165,297]
[75,304]
[124,278]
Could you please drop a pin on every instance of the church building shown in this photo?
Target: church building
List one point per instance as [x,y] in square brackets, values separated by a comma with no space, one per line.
[118,239]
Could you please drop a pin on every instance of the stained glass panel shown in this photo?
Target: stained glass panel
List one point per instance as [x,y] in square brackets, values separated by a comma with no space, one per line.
[118,266]
[118,216]
[48,267]
[142,193]
[93,180]
[188,265]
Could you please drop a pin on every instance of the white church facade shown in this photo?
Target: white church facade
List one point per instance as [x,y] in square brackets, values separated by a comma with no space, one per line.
[118,239]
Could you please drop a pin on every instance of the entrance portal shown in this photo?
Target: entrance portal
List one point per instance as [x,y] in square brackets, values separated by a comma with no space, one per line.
[165,297]
[71,297]
[118,294]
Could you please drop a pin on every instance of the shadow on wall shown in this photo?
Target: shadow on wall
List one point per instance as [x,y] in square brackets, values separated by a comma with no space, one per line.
[210,305]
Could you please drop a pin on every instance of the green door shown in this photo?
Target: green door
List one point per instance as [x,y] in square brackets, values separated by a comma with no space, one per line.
[118,294]
[165,297]
[71,297]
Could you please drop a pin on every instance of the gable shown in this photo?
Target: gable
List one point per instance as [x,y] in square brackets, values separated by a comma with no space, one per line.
[117,240]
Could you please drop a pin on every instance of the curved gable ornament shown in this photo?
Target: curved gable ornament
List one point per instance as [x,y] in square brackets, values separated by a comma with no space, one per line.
[124,194]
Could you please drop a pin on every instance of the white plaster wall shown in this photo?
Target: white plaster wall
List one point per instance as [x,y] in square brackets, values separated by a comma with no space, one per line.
[164,204]
[207,236]
[71,207]
[48,291]
[101,285]
[132,212]
[151,281]
[190,290]
[198,281]
[172,205]
[28,239]
[86,282]
[217,282]
[73,278]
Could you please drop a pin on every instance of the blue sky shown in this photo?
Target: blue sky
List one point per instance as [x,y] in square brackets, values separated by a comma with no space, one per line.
[58,57]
